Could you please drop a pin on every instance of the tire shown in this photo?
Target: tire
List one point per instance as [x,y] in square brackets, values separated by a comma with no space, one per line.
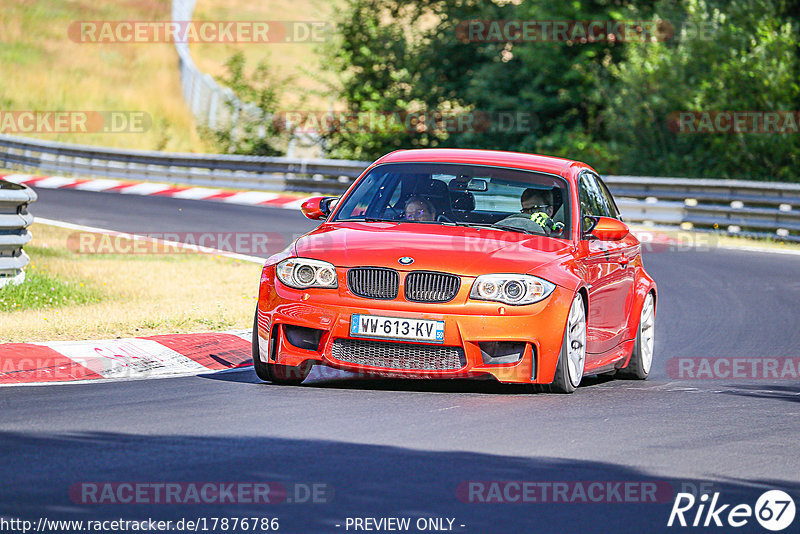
[641,361]
[270,372]
[572,358]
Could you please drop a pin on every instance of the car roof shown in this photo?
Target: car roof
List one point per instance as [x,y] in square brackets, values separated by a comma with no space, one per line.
[498,158]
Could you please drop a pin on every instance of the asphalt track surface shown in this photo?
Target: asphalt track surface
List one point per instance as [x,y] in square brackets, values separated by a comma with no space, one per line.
[400,448]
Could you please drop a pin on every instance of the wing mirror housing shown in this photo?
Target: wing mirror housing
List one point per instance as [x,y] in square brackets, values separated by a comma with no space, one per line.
[318,208]
[608,229]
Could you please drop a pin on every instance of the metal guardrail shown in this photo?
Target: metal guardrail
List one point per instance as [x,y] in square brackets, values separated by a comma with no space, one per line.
[14,222]
[766,209]
[211,103]
[739,207]
[327,176]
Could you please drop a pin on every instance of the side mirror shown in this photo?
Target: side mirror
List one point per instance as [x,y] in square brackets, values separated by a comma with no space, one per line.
[608,229]
[317,208]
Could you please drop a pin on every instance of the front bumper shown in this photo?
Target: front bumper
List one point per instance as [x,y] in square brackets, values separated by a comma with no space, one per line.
[468,324]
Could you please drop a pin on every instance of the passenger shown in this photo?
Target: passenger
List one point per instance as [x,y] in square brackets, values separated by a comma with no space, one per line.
[419,209]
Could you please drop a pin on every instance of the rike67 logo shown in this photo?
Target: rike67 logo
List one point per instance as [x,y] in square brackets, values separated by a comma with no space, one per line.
[774,510]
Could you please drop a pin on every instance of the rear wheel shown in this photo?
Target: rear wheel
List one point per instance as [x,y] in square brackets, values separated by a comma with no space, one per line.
[271,372]
[572,358]
[641,361]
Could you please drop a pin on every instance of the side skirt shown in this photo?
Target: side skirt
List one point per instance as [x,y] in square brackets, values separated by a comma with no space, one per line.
[616,358]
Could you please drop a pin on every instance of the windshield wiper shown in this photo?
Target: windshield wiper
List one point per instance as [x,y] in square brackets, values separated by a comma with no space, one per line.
[515,229]
[472,224]
[453,223]
[377,219]
[367,219]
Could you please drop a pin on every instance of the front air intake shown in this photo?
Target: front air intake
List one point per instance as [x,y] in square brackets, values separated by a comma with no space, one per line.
[426,286]
[399,356]
[374,282]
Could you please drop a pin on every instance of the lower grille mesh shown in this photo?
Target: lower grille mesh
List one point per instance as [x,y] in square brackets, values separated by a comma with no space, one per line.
[402,356]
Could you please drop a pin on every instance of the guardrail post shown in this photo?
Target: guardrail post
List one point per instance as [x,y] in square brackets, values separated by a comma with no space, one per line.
[14,222]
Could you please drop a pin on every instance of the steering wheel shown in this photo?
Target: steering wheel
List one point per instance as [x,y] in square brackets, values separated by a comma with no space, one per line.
[444,218]
[556,229]
[394,212]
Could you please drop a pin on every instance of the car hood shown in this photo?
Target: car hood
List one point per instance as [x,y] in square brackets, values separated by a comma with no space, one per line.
[455,249]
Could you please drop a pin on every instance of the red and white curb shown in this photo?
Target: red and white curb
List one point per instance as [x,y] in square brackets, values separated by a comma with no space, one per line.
[248,198]
[138,358]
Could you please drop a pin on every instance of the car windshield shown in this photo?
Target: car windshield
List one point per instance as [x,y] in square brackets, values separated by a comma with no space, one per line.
[453,194]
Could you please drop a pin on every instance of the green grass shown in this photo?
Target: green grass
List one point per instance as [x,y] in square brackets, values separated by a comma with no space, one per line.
[88,296]
[46,291]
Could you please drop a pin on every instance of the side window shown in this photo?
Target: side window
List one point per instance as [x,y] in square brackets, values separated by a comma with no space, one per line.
[360,199]
[369,199]
[394,200]
[612,206]
[591,199]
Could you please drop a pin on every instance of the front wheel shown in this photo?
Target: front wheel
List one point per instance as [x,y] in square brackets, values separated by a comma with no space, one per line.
[572,358]
[641,361]
[271,372]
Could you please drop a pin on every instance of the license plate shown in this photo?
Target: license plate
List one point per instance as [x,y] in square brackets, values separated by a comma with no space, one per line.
[397,328]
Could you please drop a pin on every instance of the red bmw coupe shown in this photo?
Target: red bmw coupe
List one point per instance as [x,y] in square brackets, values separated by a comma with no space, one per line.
[461,263]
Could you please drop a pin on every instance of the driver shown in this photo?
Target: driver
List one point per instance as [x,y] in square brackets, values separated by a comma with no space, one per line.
[419,209]
[537,206]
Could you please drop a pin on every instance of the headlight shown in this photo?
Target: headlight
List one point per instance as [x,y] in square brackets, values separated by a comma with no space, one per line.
[514,289]
[302,273]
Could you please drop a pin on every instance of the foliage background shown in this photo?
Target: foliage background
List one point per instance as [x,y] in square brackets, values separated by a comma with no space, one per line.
[606,103]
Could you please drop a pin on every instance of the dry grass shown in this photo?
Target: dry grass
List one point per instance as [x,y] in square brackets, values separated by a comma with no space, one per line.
[139,294]
[302,62]
[42,69]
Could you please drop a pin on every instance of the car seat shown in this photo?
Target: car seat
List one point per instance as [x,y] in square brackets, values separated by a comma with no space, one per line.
[437,193]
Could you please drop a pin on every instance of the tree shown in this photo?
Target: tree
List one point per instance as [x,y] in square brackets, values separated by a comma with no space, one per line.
[252,130]
[742,57]
[609,102]
[394,56]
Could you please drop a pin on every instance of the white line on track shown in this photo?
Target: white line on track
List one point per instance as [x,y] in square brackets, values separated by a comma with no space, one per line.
[207,250]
